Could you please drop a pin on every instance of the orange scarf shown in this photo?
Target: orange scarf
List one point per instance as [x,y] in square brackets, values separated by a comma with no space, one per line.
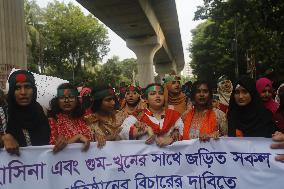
[209,123]
[179,101]
[171,116]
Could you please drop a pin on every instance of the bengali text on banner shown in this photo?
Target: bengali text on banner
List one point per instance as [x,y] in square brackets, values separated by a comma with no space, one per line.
[241,163]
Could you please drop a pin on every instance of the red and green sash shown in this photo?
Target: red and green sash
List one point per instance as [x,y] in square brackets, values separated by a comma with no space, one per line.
[171,116]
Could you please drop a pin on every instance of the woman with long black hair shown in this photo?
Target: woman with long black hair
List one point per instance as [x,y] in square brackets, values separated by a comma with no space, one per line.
[103,121]
[66,119]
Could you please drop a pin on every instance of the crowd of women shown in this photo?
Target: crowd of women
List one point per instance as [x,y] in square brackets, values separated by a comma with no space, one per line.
[160,114]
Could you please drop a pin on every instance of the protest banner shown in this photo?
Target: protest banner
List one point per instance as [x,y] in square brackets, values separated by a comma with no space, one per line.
[242,163]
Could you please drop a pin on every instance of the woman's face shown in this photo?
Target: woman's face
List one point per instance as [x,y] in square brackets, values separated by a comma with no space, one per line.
[215,103]
[67,103]
[108,104]
[156,99]
[266,94]
[175,87]
[23,93]
[226,86]
[131,97]
[242,96]
[201,97]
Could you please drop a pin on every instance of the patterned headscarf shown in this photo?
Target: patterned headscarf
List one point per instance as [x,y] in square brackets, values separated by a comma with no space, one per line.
[277,98]
[85,91]
[224,95]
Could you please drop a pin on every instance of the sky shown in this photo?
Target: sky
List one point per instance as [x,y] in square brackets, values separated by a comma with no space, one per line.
[185,10]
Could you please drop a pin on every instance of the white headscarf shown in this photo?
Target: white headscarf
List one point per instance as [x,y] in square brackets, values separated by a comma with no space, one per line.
[277,99]
[224,96]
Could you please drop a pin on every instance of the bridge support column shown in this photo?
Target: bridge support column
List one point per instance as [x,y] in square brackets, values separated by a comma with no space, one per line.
[163,69]
[12,38]
[145,50]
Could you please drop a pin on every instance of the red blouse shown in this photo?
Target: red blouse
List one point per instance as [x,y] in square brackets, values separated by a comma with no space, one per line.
[68,127]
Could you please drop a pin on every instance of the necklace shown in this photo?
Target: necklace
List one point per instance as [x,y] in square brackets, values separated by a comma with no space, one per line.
[158,115]
[196,123]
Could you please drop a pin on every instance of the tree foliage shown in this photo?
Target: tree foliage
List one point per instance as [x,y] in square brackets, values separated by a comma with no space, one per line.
[129,70]
[73,39]
[33,22]
[69,41]
[114,71]
[211,54]
[231,30]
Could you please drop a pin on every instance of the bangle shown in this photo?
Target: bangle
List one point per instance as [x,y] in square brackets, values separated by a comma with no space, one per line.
[175,137]
[173,140]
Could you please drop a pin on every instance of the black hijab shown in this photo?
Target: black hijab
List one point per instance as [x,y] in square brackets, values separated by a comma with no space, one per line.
[30,118]
[254,120]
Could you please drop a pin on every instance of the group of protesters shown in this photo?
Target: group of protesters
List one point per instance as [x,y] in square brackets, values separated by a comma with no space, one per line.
[159,113]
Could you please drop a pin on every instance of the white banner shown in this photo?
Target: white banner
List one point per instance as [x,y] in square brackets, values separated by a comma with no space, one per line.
[227,163]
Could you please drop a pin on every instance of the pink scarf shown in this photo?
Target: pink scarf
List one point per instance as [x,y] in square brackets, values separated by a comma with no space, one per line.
[260,85]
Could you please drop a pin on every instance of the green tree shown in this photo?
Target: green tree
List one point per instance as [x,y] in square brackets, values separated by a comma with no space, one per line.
[73,40]
[257,25]
[114,72]
[62,41]
[211,52]
[33,20]
[128,70]
[110,72]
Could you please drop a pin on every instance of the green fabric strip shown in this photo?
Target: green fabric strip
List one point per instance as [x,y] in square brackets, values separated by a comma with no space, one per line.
[154,88]
[103,93]
[171,78]
[67,92]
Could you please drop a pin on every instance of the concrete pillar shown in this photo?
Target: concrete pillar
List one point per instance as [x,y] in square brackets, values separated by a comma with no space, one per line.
[12,38]
[161,70]
[145,50]
[164,68]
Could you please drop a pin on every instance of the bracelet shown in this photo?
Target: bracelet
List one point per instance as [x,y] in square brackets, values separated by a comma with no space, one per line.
[173,139]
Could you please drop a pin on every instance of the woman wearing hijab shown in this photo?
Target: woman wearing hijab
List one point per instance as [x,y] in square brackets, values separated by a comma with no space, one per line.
[224,89]
[27,124]
[278,117]
[247,113]
[265,90]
